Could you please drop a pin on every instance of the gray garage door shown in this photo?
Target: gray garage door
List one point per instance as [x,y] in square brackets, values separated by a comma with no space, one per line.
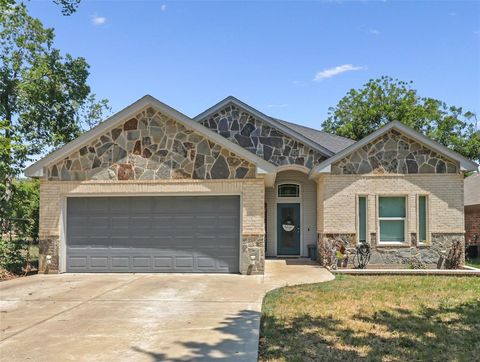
[153,234]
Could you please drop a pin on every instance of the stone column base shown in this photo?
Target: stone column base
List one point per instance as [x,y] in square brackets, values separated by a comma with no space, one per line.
[253,254]
[48,254]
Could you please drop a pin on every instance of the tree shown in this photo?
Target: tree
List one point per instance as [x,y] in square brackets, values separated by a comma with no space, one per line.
[25,207]
[45,100]
[383,100]
[68,6]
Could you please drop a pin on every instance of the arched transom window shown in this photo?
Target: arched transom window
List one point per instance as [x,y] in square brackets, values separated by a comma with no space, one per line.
[288,190]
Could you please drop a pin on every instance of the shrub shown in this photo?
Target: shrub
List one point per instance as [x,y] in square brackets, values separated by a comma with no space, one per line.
[12,255]
[26,204]
[454,257]
[416,262]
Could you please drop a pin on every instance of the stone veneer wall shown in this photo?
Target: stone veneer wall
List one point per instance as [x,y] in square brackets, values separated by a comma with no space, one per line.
[393,255]
[253,254]
[151,146]
[252,191]
[337,202]
[394,153]
[260,138]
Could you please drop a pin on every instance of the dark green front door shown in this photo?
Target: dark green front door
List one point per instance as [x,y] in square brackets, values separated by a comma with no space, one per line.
[288,229]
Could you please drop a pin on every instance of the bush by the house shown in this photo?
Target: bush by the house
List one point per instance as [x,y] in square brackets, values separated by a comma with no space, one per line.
[12,256]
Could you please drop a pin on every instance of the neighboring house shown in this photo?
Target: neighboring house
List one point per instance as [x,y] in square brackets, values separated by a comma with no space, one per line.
[152,190]
[472,214]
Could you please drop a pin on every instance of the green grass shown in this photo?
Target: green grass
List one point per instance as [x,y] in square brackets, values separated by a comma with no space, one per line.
[473,262]
[368,318]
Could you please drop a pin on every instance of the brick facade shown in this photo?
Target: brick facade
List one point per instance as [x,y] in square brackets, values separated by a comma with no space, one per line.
[149,153]
[472,224]
[337,216]
[54,193]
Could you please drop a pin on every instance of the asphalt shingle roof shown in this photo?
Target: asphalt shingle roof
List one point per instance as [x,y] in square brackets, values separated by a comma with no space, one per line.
[330,141]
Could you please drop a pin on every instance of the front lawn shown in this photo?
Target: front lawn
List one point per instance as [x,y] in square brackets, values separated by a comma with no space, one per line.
[375,318]
[473,262]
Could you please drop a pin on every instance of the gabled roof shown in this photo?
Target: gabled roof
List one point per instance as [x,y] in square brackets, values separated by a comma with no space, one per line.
[471,187]
[36,169]
[333,142]
[294,133]
[465,163]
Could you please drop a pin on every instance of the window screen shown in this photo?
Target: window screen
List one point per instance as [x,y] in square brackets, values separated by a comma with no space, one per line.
[422,219]
[392,212]
[362,218]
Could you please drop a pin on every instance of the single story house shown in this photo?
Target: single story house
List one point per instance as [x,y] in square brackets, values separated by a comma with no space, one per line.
[472,214]
[152,190]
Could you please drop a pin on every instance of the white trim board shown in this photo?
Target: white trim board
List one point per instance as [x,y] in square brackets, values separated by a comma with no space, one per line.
[37,169]
[325,166]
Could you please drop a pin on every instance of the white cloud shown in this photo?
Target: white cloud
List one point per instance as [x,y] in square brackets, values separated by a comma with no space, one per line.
[374,31]
[163,7]
[98,20]
[282,105]
[476,32]
[339,69]
[452,14]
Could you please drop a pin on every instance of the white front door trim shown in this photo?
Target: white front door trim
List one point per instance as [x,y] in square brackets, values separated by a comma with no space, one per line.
[288,200]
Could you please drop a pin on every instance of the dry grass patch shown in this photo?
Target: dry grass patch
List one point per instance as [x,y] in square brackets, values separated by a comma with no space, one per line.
[374,318]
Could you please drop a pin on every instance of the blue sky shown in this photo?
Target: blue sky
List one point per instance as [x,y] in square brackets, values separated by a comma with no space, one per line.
[292,60]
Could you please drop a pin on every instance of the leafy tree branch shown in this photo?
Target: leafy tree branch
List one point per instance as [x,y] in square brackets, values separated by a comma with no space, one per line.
[45,100]
[380,101]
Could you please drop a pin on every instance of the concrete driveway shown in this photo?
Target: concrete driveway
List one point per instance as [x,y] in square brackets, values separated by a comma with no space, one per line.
[140,317]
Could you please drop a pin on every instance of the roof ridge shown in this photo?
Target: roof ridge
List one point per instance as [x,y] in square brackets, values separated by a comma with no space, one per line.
[313,129]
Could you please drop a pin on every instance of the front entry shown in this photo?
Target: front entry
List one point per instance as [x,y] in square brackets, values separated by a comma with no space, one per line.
[288,229]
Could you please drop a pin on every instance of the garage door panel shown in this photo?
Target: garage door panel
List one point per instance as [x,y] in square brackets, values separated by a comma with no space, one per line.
[162,222]
[225,263]
[120,241]
[206,262]
[141,261]
[184,262]
[99,262]
[98,222]
[163,262]
[78,261]
[159,234]
[120,262]
[119,222]
[184,222]
[140,204]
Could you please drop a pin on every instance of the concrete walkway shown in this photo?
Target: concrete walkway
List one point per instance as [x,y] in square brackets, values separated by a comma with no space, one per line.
[140,317]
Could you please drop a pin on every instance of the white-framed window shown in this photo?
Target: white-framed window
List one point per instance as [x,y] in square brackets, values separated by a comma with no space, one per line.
[392,225]
[422,219]
[288,190]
